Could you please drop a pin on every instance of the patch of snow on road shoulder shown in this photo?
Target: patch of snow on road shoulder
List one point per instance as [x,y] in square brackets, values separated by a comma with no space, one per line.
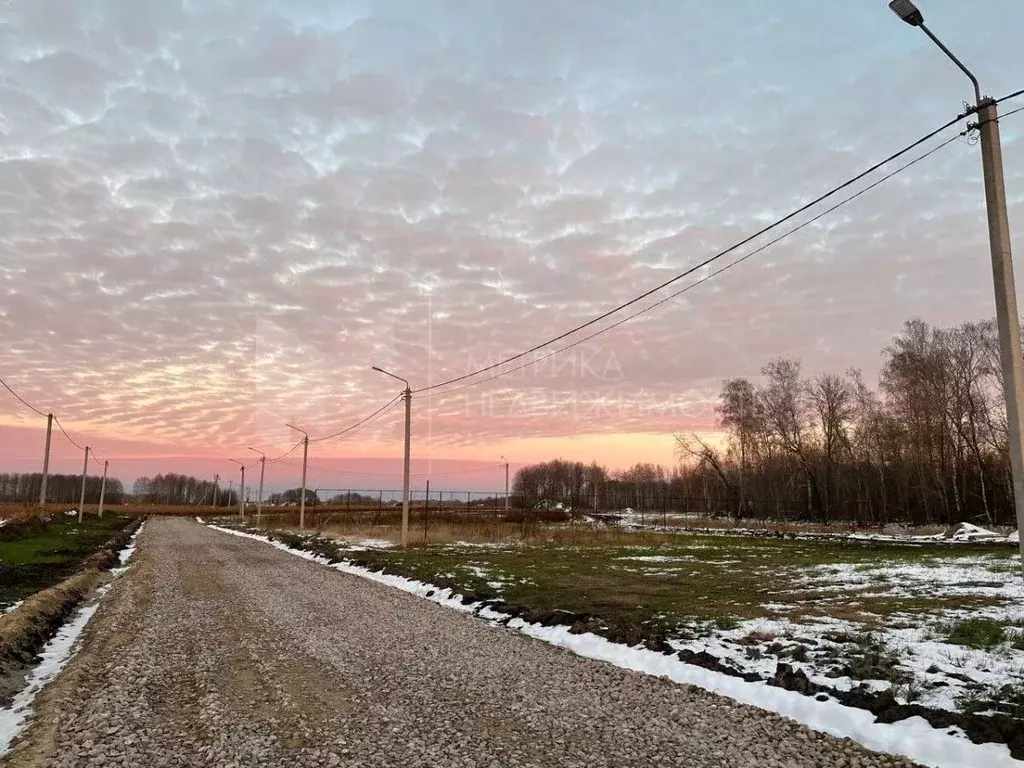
[126,554]
[55,655]
[914,737]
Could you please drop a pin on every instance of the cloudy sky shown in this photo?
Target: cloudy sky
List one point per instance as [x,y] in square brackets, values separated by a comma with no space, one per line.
[216,216]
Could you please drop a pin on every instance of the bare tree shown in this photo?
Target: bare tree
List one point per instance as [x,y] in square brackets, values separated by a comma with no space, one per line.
[832,401]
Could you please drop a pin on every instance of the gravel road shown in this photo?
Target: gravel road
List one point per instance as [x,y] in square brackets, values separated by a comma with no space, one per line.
[213,650]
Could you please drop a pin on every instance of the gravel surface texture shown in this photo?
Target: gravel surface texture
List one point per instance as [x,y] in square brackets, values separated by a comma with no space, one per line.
[213,650]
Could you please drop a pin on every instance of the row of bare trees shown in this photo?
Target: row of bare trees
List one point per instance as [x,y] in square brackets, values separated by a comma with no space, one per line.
[643,486]
[175,489]
[25,487]
[929,446]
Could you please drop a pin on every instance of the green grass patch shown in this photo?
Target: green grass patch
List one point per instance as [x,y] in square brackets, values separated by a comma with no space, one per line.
[1007,699]
[43,555]
[691,583]
[980,634]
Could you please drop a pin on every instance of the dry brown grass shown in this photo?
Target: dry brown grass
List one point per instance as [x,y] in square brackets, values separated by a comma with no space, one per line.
[757,637]
[27,627]
[473,531]
[11,511]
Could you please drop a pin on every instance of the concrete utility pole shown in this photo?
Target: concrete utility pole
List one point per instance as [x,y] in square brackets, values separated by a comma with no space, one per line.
[1007,319]
[85,474]
[407,394]
[46,460]
[241,494]
[506,483]
[103,487]
[305,459]
[216,490]
[263,470]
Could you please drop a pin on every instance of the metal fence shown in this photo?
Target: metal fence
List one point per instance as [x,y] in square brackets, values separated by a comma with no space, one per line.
[380,499]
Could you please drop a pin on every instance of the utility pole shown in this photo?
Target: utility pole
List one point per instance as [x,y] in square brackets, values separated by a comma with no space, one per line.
[46,460]
[103,486]
[407,395]
[506,483]
[305,459]
[1007,318]
[216,490]
[259,499]
[241,494]
[85,473]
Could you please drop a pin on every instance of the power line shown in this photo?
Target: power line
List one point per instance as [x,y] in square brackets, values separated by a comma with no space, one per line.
[324,469]
[380,411]
[1007,97]
[56,421]
[709,276]
[705,262]
[65,433]
[22,400]
[285,454]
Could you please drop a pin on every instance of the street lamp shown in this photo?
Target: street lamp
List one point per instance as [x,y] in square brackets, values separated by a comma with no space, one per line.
[506,484]
[241,496]
[407,394]
[1007,318]
[263,469]
[305,456]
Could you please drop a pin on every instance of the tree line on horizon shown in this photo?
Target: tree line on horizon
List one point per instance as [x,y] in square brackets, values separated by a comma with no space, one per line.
[175,489]
[928,446]
[25,487]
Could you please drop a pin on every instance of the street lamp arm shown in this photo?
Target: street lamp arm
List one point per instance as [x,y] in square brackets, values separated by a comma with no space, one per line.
[393,376]
[299,430]
[955,60]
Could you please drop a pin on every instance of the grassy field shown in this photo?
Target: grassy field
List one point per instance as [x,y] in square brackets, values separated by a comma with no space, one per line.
[678,584]
[38,555]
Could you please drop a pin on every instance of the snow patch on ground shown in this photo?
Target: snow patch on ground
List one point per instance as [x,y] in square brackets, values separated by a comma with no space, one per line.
[126,554]
[968,532]
[914,737]
[363,544]
[55,655]
[659,558]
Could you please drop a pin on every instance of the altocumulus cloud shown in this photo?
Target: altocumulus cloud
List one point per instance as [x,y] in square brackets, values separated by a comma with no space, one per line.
[216,216]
